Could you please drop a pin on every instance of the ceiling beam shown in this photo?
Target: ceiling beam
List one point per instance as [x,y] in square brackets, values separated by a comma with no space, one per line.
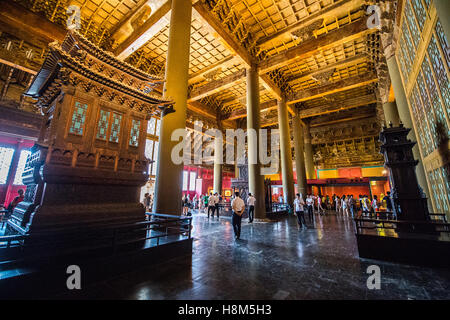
[265,107]
[234,45]
[344,120]
[154,24]
[25,24]
[201,109]
[333,10]
[339,64]
[127,17]
[217,26]
[324,42]
[334,87]
[338,106]
[222,64]
[216,86]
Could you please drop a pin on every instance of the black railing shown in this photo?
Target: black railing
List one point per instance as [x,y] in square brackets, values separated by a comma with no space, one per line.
[280,207]
[388,227]
[158,226]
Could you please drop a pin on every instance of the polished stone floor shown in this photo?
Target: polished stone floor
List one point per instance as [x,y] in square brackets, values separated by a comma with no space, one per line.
[272,261]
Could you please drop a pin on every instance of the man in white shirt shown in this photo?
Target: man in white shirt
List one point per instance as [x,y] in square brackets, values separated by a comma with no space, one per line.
[299,210]
[238,207]
[211,204]
[251,200]
[310,206]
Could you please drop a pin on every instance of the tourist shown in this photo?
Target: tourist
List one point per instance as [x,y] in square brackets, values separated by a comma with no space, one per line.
[344,202]
[280,199]
[351,205]
[238,207]
[185,204]
[147,202]
[251,200]
[205,202]
[388,199]
[299,210]
[14,203]
[211,204]
[319,205]
[327,202]
[309,206]
[374,204]
[360,198]
[216,204]
[365,206]
[337,204]
[194,202]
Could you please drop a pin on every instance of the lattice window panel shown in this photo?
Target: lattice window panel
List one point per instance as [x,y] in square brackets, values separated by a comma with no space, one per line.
[405,55]
[443,188]
[415,33]
[102,127]
[408,41]
[78,118]
[6,155]
[434,94]
[21,167]
[149,149]
[441,74]
[420,12]
[403,67]
[419,123]
[443,42]
[446,178]
[115,127]
[134,133]
[428,109]
[151,126]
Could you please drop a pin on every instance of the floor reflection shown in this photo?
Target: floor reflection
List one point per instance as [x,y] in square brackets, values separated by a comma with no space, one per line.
[274,260]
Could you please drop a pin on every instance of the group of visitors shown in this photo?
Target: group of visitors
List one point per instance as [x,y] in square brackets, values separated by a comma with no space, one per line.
[346,205]
[363,205]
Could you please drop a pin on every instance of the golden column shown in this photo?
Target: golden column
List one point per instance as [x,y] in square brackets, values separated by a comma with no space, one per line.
[169,175]
[405,117]
[391,113]
[218,160]
[299,155]
[255,179]
[309,163]
[285,152]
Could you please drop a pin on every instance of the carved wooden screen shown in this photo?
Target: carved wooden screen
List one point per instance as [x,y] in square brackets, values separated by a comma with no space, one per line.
[423,56]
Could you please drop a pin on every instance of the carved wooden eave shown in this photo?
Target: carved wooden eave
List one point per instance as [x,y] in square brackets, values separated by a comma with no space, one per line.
[75,41]
[94,70]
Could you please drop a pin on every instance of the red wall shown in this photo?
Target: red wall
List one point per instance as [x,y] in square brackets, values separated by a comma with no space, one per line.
[8,191]
[205,181]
